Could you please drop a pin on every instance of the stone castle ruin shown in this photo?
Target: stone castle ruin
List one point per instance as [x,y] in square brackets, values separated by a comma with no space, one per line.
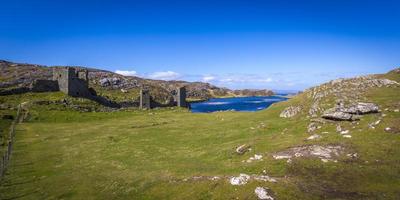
[75,82]
[72,82]
[146,101]
[181,97]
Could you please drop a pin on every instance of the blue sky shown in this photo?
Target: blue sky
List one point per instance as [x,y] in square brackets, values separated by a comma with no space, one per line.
[237,44]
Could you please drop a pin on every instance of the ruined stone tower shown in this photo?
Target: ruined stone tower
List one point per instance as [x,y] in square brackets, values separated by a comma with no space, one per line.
[72,82]
[181,97]
[145,99]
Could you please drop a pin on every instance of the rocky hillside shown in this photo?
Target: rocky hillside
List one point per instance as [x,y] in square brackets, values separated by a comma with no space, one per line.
[346,100]
[14,75]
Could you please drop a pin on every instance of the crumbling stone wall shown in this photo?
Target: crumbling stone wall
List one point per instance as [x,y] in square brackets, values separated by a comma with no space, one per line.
[44,86]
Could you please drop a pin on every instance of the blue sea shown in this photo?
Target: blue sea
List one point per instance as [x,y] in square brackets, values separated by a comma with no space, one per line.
[249,104]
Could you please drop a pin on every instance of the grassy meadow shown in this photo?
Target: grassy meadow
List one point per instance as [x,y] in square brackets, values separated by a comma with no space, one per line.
[154,154]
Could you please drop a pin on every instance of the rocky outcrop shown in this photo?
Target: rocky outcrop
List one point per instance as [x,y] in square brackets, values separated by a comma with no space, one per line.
[350,91]
[350,113]
[290,111]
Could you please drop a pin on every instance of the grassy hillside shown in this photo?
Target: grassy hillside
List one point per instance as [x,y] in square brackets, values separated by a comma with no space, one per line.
[170,153]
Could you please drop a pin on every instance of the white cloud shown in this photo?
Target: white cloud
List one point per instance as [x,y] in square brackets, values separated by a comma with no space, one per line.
[126,73]
[166,75]
[208,78]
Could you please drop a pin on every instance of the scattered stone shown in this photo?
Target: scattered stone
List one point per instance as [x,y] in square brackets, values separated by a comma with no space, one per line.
[322,152]
[262,193]
[240,180]
[346,136]
[264,178]
[290,111]
[279,157]
[396,110]
[392,130]
[255,157]
[344,132]
[352,155]
[313,137]
[124,91]
[243,149]
[312,127]
[338,128]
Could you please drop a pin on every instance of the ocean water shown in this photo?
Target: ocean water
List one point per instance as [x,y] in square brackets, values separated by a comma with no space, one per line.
[249,104]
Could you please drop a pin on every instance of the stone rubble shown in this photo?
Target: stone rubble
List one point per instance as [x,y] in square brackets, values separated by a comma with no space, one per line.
[262,193]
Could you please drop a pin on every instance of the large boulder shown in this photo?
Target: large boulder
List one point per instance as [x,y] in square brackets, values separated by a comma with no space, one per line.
[337,115]
[342,113]
[361,108]
[290,111]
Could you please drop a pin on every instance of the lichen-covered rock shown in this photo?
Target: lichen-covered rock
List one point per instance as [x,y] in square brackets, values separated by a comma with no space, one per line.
[342,113]
[262,193]
[290,111]
[337,115]
[361,108]
[240,180]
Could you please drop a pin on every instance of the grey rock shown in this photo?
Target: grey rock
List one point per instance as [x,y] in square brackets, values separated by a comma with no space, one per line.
[290,111]
[104,82]
[337,115]
[262,193]
[361,108]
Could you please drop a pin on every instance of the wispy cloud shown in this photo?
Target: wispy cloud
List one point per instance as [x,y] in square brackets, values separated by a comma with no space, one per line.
[126,73]
[208,78]
[165,75]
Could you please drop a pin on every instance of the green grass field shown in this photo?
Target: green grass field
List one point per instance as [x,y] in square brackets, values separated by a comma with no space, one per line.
[133,154]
